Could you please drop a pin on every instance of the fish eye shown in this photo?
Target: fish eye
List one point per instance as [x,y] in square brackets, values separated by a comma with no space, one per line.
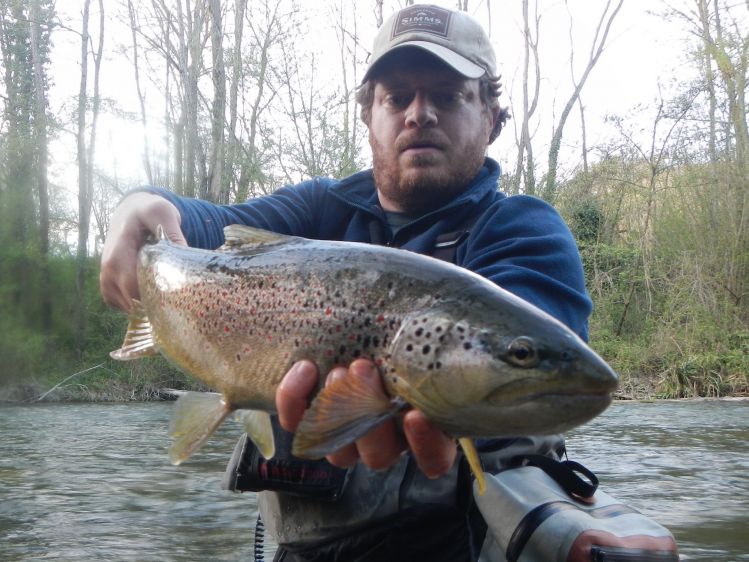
[522,353]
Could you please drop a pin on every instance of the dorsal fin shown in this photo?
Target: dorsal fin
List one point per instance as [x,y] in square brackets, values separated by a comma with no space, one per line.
[239,236]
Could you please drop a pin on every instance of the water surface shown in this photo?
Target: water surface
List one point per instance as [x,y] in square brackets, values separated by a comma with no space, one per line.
[93,482]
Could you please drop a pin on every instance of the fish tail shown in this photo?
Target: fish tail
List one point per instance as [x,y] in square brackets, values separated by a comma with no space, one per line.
[139,338]
[196,416]
[472,456]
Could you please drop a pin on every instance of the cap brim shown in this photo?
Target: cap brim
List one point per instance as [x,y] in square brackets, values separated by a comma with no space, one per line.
[460,64]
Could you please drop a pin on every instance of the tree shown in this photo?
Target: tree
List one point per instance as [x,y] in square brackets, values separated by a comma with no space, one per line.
[86,152]
[597,46]
[39,43]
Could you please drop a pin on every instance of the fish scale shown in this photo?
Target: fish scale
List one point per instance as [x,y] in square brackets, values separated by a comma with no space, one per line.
[477,360]
[265,322]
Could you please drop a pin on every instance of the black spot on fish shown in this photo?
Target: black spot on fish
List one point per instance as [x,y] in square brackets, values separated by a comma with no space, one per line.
[342,350]
[409,347]
[419,332]
[467,345]
[438,365]
[366,342]
[426,349]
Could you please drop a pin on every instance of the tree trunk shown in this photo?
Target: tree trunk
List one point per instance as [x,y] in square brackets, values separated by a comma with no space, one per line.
[139,90]
[40,168]
[216,190]
[556,140]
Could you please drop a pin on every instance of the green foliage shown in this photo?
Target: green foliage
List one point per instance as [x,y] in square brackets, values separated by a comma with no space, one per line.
[671,313]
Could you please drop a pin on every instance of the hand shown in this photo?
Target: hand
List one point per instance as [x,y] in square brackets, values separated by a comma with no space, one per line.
[137,217]
[432,449]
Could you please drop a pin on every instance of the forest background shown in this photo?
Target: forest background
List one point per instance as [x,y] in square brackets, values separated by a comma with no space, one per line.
[229,99]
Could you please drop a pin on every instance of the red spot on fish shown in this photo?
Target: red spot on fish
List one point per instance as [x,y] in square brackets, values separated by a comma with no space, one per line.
[328,311]
[226,329]
[329,352]
[380,318]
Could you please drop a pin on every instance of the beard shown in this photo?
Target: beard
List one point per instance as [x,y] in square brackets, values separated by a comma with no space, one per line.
[426,181]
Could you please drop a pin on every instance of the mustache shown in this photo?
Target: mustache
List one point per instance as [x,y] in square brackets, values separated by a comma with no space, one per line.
[420,139]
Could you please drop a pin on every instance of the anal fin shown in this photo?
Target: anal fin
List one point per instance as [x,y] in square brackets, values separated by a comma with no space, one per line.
[196,416]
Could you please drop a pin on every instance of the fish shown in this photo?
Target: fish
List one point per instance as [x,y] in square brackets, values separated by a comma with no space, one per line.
[477,360]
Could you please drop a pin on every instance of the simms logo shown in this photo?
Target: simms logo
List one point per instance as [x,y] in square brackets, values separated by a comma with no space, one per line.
[419,18]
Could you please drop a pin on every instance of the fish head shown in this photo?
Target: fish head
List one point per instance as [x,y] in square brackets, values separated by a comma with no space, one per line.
[482,377]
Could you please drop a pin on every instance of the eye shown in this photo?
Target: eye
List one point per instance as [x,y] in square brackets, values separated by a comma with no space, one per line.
[446,98]
[522,353]
[397,100]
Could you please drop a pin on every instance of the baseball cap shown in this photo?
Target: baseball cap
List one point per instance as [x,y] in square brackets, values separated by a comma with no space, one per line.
[454,37]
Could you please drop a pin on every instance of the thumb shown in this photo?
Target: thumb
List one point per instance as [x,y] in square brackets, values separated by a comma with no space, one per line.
[163,214]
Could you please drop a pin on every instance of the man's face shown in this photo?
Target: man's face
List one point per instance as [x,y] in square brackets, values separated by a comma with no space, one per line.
[429,131]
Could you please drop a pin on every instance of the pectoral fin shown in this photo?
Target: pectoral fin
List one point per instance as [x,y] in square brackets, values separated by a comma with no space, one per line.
[139,340]
[472,456]
[257,425]
[343,411]
[196,416]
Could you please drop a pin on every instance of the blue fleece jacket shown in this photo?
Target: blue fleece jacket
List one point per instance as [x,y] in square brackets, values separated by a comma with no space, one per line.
[520,242]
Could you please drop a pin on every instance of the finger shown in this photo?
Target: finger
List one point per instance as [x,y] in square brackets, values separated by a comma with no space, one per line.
[293,394]
[382,446]
[155,211]
[433,450]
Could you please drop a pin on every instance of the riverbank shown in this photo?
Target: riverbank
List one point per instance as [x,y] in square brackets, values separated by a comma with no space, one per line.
[146,383]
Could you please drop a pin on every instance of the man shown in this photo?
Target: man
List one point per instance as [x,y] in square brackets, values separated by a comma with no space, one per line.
[430,100]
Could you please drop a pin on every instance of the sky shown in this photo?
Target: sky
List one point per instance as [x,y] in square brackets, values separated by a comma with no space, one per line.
[644,51]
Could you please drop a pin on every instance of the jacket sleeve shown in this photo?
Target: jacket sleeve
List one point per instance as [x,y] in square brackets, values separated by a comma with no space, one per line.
[290,210]
[524,246]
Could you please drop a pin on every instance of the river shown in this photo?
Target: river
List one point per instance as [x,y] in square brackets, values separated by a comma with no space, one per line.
[83,482]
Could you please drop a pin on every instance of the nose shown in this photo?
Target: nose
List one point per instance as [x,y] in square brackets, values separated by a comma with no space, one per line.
[421,112]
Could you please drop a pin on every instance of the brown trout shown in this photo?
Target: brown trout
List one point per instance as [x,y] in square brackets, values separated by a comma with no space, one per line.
[475,359]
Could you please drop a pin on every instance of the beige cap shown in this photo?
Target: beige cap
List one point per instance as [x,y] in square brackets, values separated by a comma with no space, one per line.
[454,37]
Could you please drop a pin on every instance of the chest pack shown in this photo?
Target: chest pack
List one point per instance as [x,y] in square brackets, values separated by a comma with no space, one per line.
[541,510]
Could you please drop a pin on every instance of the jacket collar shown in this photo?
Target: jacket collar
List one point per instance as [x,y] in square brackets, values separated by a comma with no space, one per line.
[359,189]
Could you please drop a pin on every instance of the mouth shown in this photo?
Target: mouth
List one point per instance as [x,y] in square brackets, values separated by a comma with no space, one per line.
[420,145]
[419,149]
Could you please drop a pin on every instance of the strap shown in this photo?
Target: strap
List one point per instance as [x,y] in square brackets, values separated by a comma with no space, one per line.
[447,244]
[564,473]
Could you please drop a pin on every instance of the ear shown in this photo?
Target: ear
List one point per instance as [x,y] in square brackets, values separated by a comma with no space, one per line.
[497,120]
